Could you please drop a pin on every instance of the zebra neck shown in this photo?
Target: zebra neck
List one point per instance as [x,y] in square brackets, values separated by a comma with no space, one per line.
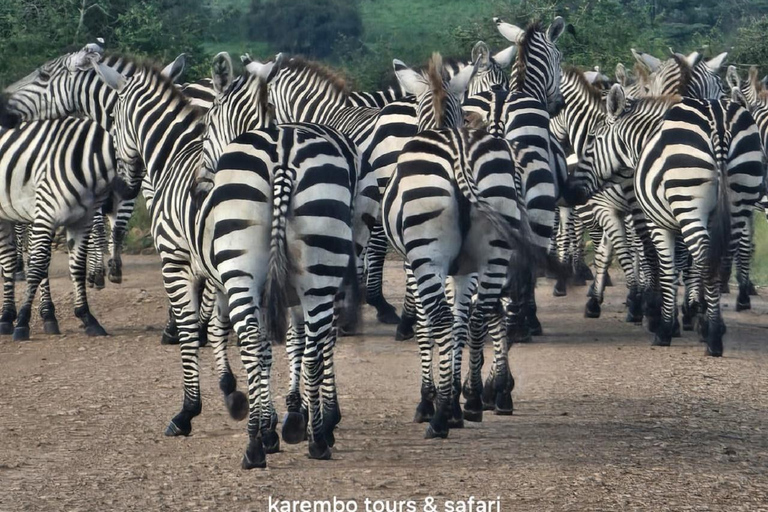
[164,132]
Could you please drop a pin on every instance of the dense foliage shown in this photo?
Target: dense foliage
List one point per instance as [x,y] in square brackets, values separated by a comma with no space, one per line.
[364,35]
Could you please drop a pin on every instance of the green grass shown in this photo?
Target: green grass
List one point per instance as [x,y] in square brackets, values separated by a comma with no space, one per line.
[760,259]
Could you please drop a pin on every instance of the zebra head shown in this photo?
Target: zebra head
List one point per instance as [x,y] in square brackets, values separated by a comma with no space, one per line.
[49,92]
[240,104]
[537,67]
[605,156]
[438,97]
[690,76]
[490,68]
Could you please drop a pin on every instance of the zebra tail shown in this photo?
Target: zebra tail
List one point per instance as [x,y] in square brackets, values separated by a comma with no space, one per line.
[280,266]
[517,239]
[720,219]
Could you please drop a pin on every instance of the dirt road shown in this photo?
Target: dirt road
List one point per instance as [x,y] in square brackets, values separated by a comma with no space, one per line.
[602,422]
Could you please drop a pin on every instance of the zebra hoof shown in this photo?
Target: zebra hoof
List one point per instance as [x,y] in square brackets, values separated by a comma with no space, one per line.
[578,280]
[388,316]
[743,302]
[456,422]
[715,340]
[51,327]
[319,450]
[592,309]
[169,339]
[6,328]
[534,326]
[725,288]
[19,275]
[489,395]
[95,330]
[178,427]
[432,433]
[743,306]
[608,281]
[504,405]
[474,415]
[21,334]
[676,329]
[405,329]
[659,340]
[237,405]
[294,428]
[457,416]
[751,289]
[271,442]
[98,281]
[255,457]
[560,289]
[425,411]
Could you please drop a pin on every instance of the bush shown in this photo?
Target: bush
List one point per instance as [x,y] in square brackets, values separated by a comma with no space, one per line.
[308,27]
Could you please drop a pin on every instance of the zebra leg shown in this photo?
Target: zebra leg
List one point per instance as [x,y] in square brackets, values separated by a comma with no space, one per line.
[603,255]
[219,327]
[425,410]
[408,316]
[254,349]
[664,242]
[47,309]
[376,253]
[40,238]
[98,241]
[318,325]
[564,247]
[474,402]
[8,258]
[119,220]
[208,301]
[459,291]
[692,304]
[743,259]
[77,240]
[181,288]
[295,420]
[715,327]
[528,305]
[328,393]
[578,272]
[267,413]
[21,235]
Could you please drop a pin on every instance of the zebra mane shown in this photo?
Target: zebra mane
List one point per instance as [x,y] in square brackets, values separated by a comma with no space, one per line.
[686,73]
[332,77]
[577,75]
[436,78]
[148,67]
[522,54]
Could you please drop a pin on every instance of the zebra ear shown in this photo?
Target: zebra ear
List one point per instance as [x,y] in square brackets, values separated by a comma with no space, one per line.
[222,73]
[481,53]
[732,78]
[621,74]
[411,81]
[693,58]
[511,32]
[738,97]
[82,60]
[556,29]
[646,60]
[460,81]
[266,71]
[616,101]
[715,64]
[110,76]
[505,57]
[175,68]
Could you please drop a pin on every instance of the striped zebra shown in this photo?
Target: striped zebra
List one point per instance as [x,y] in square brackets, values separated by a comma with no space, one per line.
[699,171]
[306,92]
[450,209]
[56,173]
[751,93]
[298,179]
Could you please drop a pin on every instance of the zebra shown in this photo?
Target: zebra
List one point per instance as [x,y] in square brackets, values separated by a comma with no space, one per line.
[75,90]
[751,94]
[306,92]
[56,173]
[299,180]
[451,209]
[699,171]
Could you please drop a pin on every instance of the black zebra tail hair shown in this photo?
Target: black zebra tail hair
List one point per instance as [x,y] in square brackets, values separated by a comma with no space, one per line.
[720,219]
[276,288]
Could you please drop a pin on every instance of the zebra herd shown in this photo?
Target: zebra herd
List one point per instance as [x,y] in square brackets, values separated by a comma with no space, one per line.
[275,194]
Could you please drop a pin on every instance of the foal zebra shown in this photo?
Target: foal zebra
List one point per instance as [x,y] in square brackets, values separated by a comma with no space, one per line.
[699,172]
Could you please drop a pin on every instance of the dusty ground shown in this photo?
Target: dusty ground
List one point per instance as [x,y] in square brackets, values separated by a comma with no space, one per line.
[603,421]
